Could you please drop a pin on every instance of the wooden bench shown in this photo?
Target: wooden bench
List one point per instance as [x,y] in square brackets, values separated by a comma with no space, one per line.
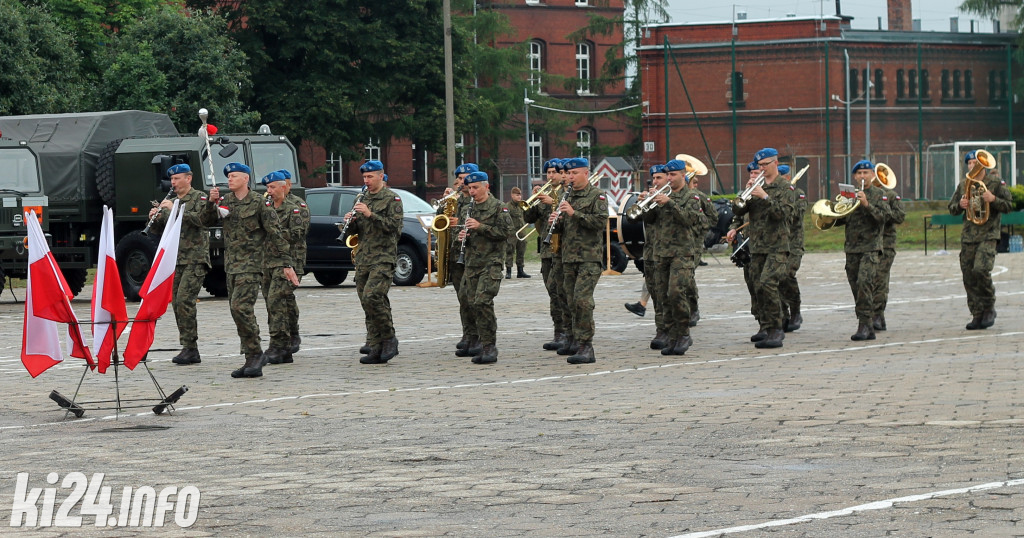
[1007,219]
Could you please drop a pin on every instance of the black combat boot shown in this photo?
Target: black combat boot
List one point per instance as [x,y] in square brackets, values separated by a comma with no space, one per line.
[878,323]
[250,360]
[277,356]
[988,317]
[188,355]
[794,321]
[864,332]
[637,308]
[682,345]
[556,343]
[462,343]
[569,347]
[773,339]
[759,335]
[660,340]
[508,273]
[694,318]
[584,355]
[975,323]
[366,348]
[296,342]
[670,345]
[254,368]
[522,274]
[472,349]
[389,349]
[488,355]
[373,357]
[177,359]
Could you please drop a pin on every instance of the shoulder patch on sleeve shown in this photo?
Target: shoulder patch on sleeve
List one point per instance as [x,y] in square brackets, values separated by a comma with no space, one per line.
[296,211]
[203,198]
[792,188]
[1002,182]
[397,199]
[267,202]
[898,197]
[802,196]
[885,198]
[600,197]
[303,204]
[504,210]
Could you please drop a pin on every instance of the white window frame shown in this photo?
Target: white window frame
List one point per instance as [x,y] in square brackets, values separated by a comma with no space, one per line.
[585,141]
[583,55]
[582,3]
[536,155]
[335,169]
[536,59]
[372,148]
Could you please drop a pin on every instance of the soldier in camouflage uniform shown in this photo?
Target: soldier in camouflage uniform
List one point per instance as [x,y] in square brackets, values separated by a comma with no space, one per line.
[516,248]
[771,210]
[659,177]
[455,270]
[252,240]
[896,217]
[580,220]
[739,224]
[538,215]
[193,256]
[680,222]
[485,235]
[711,214]
[297,240]
[377,220]
[864,246]
[789,288]
[278,293]
[978,244]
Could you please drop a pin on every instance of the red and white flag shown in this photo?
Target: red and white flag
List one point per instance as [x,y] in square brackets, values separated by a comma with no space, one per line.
[108,306]
[47,303]
[156,293]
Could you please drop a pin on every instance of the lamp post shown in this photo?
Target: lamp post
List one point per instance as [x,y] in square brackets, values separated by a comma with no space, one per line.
[526,120]
[867,121]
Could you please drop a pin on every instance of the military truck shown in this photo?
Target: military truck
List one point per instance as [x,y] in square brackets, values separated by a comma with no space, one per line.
[68,166]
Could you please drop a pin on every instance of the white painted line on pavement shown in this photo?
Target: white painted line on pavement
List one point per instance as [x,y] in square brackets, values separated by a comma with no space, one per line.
[877,505]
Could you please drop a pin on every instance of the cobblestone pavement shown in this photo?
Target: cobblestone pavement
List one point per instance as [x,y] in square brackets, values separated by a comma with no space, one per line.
[814,439]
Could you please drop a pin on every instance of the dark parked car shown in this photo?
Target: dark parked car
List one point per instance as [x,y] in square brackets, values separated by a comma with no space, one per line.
[330,261]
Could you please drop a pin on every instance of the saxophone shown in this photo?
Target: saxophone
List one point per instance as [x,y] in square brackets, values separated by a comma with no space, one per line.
[442,228]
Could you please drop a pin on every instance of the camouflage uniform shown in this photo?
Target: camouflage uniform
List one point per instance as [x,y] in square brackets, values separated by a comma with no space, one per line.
[789,288]
[456,270]
[538,215]
[582,249]
[711,219]
[978,245]
[252,240]
[737,221]
[375,261]
[769,249]
[864,250]
[193,261]
[485,249]
[896,216]
[516,248]
[279,294]
[650,278]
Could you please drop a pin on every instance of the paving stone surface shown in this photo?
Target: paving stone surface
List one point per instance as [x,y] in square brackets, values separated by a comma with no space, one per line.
[825,432]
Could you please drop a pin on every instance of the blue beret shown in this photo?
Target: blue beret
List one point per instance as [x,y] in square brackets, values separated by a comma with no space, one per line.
[178,169]
[467,168]
[551,163]
[475,177]
[272,177]
[970,155]
[766,153]
[385,177]
[675,165]
[863,165]
[783,169]
[752,165]
[657,169]
[237,167]
[575,162]
[558,164]
[371,166]
[285,173]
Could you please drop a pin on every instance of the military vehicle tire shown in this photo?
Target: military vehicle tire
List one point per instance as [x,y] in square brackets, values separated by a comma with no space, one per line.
[216,282]
[135,253]
[409,270]
[75,279]
[330,278]
[105,172]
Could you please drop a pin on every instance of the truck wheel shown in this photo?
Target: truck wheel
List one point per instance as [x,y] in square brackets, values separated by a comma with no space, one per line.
[409,270]
[330,278]
[105,172]
[75,279]
[216,282]
[135,254]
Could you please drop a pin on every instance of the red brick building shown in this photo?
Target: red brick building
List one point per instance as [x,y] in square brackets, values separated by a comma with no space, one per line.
[791,76]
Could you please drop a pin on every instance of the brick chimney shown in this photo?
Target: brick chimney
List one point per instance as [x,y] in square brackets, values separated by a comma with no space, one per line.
[899,15]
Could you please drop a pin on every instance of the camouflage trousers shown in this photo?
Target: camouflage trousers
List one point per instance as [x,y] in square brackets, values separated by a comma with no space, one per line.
[650,278]
[555,306]
[515,248]
[456,271]
[789,288]
[976,262]
[767,272]
[580,280]
[561,309]
[674,280]
[372,285]
[243,290]
[480,286]
[882,280]
[861,272]
[749,279]
[282,310]
[188,279]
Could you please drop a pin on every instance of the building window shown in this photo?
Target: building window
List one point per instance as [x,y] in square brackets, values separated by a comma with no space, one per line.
[372,148]
[879,84]
[535,153]
[864,78]
[536,63]
[945,84]
[957,87]
[584,141]
[912,83]
[582,3]
[968,84]
[583,67]
[532,2]
[901,86]
[926,92]
[736,88]
[460,149]
[854,75]
[996,86]
[334,168]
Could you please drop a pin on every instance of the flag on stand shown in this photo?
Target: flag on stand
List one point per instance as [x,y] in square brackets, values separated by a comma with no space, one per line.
[156,293]
[47,303]
[108,306]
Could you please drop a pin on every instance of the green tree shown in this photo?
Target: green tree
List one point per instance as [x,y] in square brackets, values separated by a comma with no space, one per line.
[177,62]
[39,68]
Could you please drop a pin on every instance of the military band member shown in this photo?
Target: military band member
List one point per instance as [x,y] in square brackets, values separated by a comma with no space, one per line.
[789,289]
[377,219]
[896,217]
[770,209]
[252,240]
[978,244]
[711,214]
[279,294]
[455,270]
[864,246]
[538,215]
[659,178]
[485,236]
[193,256]
[581,220]
[739,223]
[516,248]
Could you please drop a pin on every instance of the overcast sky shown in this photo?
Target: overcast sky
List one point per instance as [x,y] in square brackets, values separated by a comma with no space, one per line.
[934,14]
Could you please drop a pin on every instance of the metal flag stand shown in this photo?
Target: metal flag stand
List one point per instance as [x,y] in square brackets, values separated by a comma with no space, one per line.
[77,408]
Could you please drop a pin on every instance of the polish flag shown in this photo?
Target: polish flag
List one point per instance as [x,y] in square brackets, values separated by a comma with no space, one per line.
[156,293]
[47,303]
[108,304]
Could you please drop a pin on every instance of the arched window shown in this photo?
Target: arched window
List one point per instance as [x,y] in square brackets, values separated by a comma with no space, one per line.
[583,59]
[901,88]
[585,141]
[536,57]
[536,156]
[956,84]
[879,84]
[968,84]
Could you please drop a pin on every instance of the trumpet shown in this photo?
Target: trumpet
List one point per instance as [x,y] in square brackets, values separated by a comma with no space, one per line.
[744,197]
[441,201]
[145,231]
[645,205]
[974,189]
[344,228]
[547,189]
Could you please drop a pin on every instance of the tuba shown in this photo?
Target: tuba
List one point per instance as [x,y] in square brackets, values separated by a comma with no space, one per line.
[977,207]
[442,228]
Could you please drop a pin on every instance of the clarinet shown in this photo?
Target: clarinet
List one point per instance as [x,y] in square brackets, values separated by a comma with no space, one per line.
[558,213]
[344,229]
[462,249]
[145,231]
